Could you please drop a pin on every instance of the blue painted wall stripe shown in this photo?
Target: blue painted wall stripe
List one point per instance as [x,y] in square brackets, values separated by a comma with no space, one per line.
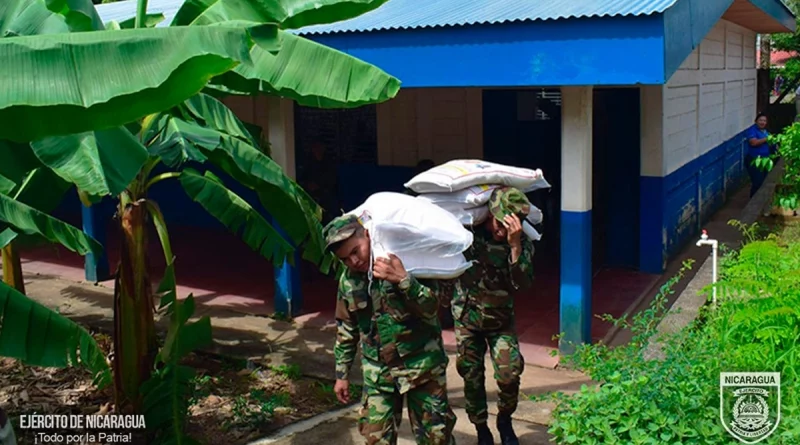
[564,52]
[675,207]
[576,279]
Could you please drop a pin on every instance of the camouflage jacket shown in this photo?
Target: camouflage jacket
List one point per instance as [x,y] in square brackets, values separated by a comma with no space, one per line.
[491,282]
[399,332]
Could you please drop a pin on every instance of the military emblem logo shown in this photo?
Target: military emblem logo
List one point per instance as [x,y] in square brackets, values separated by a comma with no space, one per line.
[750,404]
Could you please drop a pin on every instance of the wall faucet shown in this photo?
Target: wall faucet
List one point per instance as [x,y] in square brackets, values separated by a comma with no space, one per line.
[704,241]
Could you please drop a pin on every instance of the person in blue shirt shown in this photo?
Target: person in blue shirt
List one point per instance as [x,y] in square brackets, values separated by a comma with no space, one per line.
[758,147]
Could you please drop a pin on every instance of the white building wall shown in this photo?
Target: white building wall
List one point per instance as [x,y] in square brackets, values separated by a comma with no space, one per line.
[430,123]
[711,97]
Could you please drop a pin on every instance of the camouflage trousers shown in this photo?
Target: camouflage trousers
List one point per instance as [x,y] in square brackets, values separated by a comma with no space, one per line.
[508,366]
[432,419]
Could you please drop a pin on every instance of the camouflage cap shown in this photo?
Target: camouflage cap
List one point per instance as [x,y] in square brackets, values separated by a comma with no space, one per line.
[508,201]
[340,229]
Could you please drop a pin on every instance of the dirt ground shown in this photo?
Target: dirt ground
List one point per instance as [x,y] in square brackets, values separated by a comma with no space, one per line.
[234,401]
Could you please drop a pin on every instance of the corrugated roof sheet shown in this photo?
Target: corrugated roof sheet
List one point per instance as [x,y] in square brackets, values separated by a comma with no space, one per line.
[409,14]
[124,10]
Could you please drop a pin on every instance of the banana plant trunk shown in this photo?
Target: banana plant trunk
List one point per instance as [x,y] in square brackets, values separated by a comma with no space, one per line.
[12,268]
[135,343]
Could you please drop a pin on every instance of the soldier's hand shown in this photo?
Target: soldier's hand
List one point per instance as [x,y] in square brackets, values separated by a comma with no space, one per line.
[514,228]
[391,270]
[342,390]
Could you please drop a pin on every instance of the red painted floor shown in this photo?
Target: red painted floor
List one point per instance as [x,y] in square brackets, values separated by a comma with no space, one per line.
[222,271]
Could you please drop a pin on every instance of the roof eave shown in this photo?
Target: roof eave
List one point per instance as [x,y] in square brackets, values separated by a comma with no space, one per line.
[762,16]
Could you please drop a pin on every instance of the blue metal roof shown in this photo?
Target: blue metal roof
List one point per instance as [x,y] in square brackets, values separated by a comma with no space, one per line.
[410,14]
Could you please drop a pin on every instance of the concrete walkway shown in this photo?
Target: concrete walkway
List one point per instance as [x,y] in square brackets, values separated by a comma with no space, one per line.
[718,228]
[274,342]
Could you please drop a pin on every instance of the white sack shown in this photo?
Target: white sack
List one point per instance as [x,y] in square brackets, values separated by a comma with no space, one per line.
[470,216]
[535,216]
[470,197]
[463,173]
[429,240]
[530,232]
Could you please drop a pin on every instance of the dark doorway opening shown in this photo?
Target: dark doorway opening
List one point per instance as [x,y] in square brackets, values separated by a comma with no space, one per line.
[617,158]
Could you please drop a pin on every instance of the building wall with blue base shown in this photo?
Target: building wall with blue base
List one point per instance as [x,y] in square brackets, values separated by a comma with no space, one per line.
[704,109]
[689,197]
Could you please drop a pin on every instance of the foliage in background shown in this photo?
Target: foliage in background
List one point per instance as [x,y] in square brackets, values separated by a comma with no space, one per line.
[787,193]
[789,42]
[675,399]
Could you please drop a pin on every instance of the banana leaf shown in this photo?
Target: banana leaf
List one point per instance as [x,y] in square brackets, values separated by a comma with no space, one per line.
[97,80]
[42,190]
[99,163]
[80,15]
[38,336]
[295,211]
[9,11]
[23,218]
[337,80]
[16,161]
[6,236]
[34,19]
[236,214]
[288,14]
[211,112]
[177,141]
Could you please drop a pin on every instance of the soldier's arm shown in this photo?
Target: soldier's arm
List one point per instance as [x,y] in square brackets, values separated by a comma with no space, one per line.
[424,298]
[347,336]
[521,271]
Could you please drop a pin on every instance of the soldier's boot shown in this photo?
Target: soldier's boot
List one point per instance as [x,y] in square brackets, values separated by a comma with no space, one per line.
[507,435]
[484,435]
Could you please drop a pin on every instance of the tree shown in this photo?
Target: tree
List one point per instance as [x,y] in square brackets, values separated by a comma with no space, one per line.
[786,42]
[138,108]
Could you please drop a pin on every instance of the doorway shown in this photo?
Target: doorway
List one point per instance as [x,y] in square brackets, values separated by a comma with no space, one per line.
[615,196]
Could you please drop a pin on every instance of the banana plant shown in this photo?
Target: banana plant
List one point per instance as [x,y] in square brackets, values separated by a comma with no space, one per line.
[130,105]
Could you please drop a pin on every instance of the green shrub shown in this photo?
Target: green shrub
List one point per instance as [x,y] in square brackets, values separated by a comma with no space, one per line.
[787,194]
[675,400]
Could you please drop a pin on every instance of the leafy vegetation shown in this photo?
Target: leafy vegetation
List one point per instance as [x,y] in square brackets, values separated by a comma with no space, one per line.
[675,399]
[787,192]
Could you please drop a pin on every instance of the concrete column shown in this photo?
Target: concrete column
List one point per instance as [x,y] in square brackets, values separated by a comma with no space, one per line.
[652,195]
[576,216]
[280,132]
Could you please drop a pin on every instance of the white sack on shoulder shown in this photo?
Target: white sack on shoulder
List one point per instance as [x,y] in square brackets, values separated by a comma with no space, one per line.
[463,173]
[429,240]
[467,217]
[470,197]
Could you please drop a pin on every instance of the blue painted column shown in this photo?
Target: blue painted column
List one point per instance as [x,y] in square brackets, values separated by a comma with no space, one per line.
[652,194]
[651,225]
[94,220]
[576,217]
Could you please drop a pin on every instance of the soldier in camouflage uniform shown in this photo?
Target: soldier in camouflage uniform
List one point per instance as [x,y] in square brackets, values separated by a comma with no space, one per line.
[395,319]
[485,317]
